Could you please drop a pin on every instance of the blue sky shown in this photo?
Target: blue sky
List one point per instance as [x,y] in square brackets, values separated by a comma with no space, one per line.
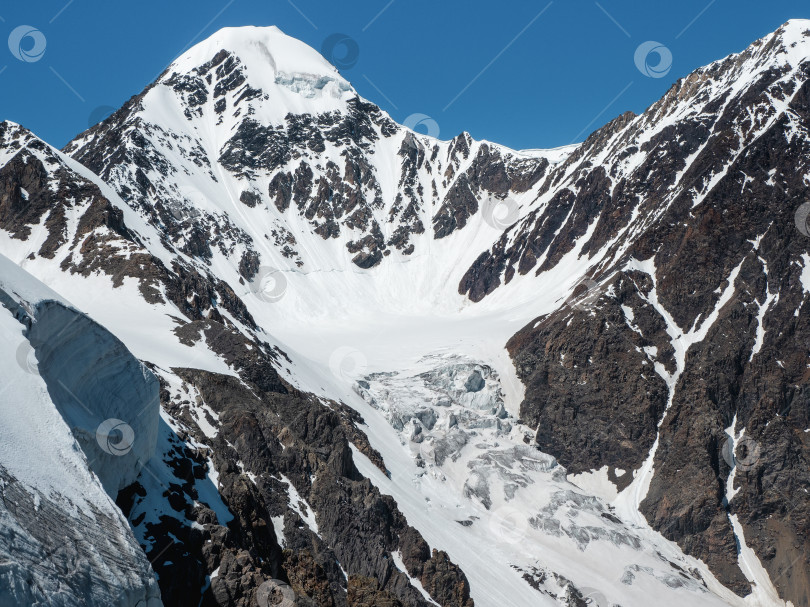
[527,74]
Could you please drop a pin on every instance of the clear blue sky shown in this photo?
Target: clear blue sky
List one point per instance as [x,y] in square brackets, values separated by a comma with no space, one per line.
[523,73]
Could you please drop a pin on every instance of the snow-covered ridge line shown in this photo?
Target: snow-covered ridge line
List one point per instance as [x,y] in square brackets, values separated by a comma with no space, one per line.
[108,398]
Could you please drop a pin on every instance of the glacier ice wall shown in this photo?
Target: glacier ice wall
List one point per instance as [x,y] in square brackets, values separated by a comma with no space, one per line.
[110,401]
[63,541]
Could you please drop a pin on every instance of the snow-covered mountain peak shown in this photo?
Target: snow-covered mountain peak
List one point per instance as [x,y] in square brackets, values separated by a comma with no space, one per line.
[782,53]
[265,59]
[252,152]
[14,138]
[267,46]
[795,30]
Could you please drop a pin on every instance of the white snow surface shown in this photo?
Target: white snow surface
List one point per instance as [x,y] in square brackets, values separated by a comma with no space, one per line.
[763,591]
[36,445]
[301,79]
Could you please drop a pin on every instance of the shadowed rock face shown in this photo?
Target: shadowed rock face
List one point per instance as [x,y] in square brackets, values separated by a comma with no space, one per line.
[591,391]
[277,456]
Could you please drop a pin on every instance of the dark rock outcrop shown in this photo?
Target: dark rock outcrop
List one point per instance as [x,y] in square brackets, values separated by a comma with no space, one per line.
[596,375]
